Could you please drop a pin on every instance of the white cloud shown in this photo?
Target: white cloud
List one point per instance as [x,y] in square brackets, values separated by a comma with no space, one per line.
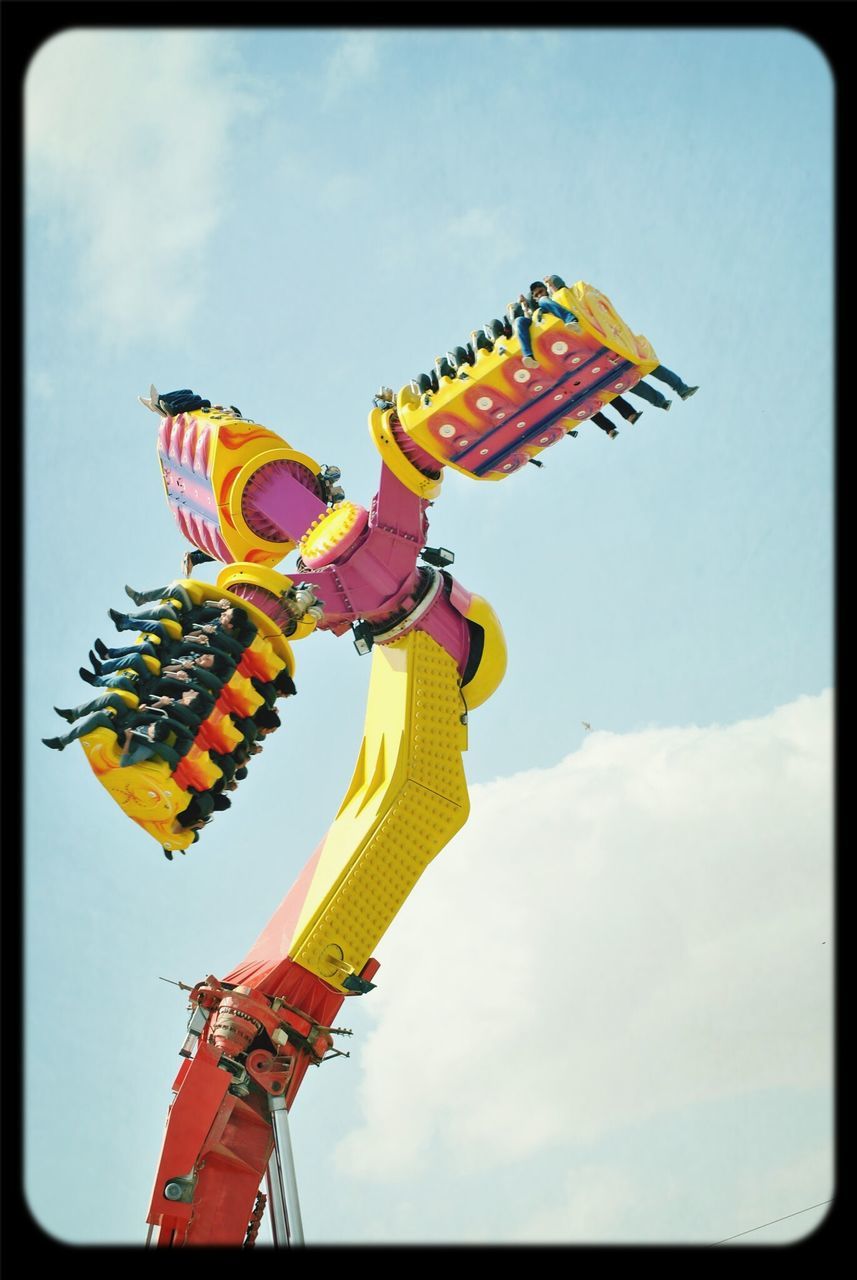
[482,230]
[794,1188]
[128,146]
[610,1201]
[354,61]
[591,1203]
[636,931]
[466,236]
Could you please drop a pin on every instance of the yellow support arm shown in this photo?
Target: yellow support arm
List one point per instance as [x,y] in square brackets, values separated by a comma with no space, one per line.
[407,798]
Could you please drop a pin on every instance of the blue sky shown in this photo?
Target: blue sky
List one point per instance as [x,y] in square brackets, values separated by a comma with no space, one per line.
[285,219]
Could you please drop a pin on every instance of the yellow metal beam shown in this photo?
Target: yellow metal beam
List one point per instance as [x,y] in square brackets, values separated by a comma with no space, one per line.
[407,798]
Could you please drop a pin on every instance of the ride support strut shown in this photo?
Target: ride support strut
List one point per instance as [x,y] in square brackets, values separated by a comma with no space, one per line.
[285,1206]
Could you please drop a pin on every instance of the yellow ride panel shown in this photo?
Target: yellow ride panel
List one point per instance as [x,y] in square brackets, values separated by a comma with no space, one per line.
[146,792]
[598,316]
[407,798]
[492,664]
[403,469]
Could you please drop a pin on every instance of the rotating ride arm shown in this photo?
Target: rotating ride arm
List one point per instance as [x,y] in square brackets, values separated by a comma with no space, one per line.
[437,649]
[437,652]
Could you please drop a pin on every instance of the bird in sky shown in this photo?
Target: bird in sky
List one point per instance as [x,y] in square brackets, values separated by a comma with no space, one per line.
[587,726]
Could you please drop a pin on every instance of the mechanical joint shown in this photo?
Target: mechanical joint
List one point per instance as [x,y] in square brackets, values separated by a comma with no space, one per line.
[271,1071]
[180,1189]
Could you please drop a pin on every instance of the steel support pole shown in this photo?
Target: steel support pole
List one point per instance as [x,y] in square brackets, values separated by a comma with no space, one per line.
[279,1218]
[286,1165]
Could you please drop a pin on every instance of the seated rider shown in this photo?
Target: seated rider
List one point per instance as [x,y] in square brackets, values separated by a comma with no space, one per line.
[202,671]
[190,707]
[152,649]
[536,300]
[218,638]
[193,558]
[211,669]
[198,811]
[601,420]
[125,721]
[193,642]
[173,609]
[142,742]
[642,389]
[104,671]
[213,616]
[174,591]
[282,686]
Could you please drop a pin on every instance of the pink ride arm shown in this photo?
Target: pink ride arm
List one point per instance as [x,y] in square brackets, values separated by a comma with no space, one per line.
[377,574]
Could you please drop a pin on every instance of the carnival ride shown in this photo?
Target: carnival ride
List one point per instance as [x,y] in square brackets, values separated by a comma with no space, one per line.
[241,495]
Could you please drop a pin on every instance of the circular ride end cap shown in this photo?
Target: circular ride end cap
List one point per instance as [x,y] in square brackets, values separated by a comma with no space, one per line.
[332,535]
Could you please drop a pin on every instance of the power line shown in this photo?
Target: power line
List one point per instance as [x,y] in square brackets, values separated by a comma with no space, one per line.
[773,1220]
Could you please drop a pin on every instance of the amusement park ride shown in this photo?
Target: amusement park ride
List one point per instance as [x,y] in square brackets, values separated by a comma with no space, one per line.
[241,495]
